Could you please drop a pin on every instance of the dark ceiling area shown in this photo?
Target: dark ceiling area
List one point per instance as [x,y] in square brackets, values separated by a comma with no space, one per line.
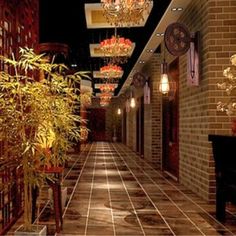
[64,22]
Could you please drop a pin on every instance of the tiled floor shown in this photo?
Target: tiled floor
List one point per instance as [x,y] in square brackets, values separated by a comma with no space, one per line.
[112,191]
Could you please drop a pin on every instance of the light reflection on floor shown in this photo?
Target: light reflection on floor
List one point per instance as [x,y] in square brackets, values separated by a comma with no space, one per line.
[114,192]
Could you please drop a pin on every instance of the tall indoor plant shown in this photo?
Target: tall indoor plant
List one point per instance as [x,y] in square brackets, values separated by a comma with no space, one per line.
[38,116]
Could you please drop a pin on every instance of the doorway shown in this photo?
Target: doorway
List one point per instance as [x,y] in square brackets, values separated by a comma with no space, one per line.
[124,127]
[170,125]
[97,124]
[140,128]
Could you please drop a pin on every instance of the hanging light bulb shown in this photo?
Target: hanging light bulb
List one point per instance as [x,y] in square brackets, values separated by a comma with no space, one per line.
[164,86]
[132,102]
[119,111]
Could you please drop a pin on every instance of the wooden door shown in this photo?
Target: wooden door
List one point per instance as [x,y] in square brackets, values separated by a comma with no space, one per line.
[140,128]
[124,132]
[97,124]
[170,113]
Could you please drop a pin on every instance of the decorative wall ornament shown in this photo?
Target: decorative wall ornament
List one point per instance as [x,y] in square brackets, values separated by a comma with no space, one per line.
[177,39]
[139,80]
[193,61]
[147,93]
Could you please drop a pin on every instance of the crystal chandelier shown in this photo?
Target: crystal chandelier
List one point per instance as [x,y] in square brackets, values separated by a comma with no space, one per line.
[116,47]
[107,88]
[104,103]
[111,71]
[106,96]
[125,12]
[105,99]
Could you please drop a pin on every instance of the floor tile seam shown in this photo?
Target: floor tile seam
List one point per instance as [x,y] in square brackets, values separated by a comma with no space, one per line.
[109,193]
[193,223]
[80,154]
[77,181]
[186,196]
[162,217]
[89,202]
[48,201]
[135,212]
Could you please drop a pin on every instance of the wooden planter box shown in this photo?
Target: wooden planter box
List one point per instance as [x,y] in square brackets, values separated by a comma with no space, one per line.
[38,230]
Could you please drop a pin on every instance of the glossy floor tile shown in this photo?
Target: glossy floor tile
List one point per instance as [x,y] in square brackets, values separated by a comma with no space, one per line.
[112,191]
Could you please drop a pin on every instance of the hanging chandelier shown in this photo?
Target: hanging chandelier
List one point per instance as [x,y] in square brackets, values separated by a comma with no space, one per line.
[116,47]
[111,71]
[104,103]
[125,12]
[105,99]
[106,96]
[107,88]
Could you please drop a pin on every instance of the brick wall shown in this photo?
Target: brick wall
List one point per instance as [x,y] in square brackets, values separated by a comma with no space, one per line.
[152,118]
[156,119]
[216,21]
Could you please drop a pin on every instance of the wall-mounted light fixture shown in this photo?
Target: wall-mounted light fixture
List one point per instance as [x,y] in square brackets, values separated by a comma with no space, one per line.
[164,86]
[118,111]
[132,99]
[132,102]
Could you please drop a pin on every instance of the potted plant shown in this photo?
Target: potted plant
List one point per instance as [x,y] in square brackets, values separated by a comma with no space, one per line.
[38,117]
[229,86]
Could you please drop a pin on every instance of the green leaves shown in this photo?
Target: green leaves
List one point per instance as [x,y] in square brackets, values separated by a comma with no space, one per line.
[38,97]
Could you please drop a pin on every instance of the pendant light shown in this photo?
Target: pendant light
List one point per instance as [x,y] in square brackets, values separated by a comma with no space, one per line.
[132,99]
[132,103]
[118,111]
[164,86]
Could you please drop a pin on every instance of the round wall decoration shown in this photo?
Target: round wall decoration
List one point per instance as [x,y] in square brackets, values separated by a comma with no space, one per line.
[139,80]
[177,39]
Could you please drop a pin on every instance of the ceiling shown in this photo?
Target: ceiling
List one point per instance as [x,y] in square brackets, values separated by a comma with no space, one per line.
[65,22]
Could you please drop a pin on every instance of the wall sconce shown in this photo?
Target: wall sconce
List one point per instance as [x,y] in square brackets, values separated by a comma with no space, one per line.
[119,111]
[132,102]
[132,99]
[164,86]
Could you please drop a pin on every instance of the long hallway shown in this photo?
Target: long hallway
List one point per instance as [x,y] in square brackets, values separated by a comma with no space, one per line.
[118,193]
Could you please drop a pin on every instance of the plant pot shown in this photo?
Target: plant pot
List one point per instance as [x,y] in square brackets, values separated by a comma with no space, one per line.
[63,196]
[114,139]
[40,230]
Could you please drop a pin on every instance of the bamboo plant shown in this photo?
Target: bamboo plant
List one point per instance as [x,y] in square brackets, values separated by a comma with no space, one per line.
[38,117]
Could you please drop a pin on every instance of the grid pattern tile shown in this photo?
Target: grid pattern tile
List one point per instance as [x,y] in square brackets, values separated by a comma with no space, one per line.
[118,193]
[112,191]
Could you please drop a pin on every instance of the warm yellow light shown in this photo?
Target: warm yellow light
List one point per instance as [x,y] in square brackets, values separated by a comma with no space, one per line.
[164,86]
[125,12]
[119,111]
[132,103]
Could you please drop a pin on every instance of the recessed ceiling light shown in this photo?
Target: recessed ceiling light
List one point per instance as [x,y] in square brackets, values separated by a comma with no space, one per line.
[141,62]
[150,50]
[177,9]
[73,65]
[159,34]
